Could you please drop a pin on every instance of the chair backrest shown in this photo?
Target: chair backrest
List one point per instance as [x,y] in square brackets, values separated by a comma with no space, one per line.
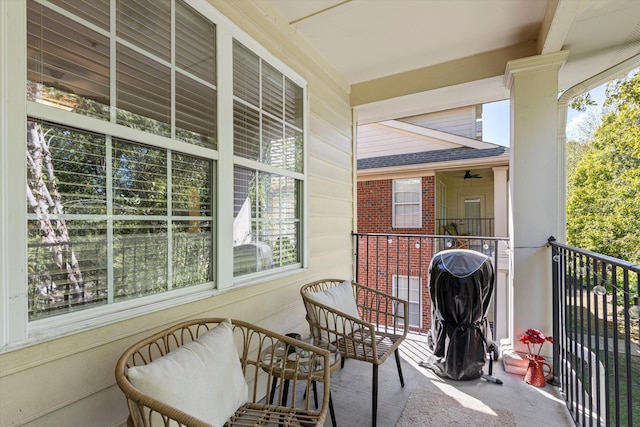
[252,343]
[331,308]
[451,229]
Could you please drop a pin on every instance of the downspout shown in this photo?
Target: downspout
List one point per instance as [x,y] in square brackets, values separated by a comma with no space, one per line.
[614,72]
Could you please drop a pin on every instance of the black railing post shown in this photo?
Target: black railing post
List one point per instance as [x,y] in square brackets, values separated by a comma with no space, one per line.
[357,266]
[555,282]
[496,245]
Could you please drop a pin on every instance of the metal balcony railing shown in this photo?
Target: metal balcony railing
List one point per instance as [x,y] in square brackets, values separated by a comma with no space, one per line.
[399,265]
[596,351]
[466,226]
[596,348]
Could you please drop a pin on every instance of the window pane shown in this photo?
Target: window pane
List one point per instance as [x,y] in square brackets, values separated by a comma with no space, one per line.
[273,142]
[94,11]
[246,74]
[285,248]
[144,92]
[195,44]
[293,103]
[294,150]
[407,216]
[67,264]
[67,63]
[191,186]
[66,172]
[195,112]
[192,252]
[146,25]
[406,197]
[139,179]
[139,258]
[401,287]
[272,90]
[266,223]
[246,131]
[242,204]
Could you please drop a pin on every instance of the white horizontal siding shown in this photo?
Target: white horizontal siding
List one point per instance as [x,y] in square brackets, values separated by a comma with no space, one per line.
[70,381]
[376,141]
[459,121]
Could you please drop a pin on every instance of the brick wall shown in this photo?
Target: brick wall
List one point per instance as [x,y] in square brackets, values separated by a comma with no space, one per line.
[381,258]
[375,210]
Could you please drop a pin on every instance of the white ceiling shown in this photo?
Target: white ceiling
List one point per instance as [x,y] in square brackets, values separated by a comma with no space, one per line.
[369,39]
[365,40]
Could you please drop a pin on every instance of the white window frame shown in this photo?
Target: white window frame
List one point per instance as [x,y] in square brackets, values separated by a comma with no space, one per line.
[395,204]
[409,282]
[15,329]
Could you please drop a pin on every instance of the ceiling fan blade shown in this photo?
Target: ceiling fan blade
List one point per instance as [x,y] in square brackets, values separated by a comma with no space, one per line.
[469,175]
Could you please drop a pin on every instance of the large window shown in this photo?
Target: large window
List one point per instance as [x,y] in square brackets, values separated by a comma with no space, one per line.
[267,144]
[407,203]
[123,155]
[111,219]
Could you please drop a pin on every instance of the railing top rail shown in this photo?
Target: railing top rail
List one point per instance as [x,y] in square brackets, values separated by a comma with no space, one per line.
[464,219]
[600,257]
[433,236]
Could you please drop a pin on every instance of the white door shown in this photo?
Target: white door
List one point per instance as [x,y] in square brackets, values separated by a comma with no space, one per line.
[472,207]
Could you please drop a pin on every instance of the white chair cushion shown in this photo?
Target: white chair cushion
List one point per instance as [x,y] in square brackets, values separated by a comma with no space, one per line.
[202,378]
[339,298]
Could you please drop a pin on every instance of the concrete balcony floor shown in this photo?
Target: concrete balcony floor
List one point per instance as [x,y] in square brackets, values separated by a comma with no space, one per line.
[351,392]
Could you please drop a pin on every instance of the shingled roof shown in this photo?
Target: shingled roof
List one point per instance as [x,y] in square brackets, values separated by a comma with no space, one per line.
[434,156]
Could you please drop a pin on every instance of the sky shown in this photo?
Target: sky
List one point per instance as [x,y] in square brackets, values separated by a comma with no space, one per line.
[495,118]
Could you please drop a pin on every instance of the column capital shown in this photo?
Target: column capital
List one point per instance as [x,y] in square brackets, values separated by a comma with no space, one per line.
[533,64]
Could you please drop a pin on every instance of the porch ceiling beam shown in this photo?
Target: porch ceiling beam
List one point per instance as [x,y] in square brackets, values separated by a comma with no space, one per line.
[476,67]
[558,18]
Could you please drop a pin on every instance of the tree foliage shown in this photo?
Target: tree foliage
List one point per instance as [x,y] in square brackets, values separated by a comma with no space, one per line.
[582,102]
[603,206]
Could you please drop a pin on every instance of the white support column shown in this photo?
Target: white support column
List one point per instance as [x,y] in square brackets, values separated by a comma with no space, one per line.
[535,181]
[503,321]
[501,201]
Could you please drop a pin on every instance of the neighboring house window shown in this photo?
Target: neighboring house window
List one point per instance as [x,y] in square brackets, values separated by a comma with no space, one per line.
[123,154]
[407,203]
[408,288]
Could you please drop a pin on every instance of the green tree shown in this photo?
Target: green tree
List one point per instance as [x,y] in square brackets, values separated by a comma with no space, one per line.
[603,206]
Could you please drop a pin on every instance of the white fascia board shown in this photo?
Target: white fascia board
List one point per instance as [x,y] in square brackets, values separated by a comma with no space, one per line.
[436,134]
[427,169]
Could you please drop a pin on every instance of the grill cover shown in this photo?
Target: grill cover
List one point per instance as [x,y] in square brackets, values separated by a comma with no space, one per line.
[461,286]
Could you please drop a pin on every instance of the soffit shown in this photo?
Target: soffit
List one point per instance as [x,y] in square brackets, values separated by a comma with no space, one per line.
[369,41]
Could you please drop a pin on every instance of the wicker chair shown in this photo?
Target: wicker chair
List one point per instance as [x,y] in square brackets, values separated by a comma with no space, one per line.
[259,351]
[371,335]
